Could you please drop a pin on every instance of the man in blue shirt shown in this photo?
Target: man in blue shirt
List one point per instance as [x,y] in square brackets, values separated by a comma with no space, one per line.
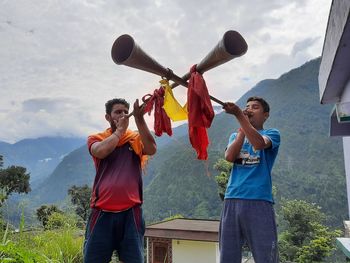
[248,215]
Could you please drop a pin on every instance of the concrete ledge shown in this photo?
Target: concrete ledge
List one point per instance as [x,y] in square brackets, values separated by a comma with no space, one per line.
[344,244]
[335,64]
[338,129]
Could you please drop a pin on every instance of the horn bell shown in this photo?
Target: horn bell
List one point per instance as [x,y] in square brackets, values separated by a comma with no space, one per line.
[126,52]
[232,45]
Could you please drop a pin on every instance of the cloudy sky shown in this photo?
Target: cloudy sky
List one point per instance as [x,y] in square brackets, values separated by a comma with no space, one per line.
[56,70]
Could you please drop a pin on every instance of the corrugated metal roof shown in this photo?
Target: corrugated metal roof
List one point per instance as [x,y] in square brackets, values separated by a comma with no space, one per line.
[188,224]
[187,229]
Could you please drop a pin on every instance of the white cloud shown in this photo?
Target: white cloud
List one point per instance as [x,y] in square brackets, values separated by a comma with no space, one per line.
[56,71]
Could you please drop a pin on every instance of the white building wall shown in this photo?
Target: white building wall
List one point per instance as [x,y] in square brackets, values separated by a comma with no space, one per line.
[346,146]
[217,253]
[345,97]
[185,251]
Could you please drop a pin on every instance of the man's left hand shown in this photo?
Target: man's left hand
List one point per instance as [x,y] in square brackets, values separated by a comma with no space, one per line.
[138,110]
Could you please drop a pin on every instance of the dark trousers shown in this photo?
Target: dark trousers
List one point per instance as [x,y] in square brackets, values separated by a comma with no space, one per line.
[251,222]
[108,231]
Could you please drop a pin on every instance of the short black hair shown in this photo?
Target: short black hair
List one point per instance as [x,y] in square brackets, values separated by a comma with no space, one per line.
[263,102]
[109,104]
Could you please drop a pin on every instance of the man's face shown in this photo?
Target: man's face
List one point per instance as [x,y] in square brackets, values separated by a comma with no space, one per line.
[255,112]
[118,111]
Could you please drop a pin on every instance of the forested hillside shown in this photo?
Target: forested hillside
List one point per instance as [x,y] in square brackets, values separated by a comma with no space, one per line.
[310,164]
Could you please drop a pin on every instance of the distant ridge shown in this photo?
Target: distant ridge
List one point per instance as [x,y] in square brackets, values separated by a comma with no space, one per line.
[310,164]
[40,155]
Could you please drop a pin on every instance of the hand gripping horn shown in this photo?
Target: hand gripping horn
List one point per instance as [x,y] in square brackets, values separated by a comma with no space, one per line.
[126,52]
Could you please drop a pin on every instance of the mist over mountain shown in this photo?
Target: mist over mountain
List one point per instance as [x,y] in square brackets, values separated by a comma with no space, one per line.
[40,156]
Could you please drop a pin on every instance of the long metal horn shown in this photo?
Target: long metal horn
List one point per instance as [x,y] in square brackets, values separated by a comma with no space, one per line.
[232,45]
[126,52]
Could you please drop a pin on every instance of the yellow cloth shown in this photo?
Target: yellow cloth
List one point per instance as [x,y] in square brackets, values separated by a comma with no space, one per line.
[172,107]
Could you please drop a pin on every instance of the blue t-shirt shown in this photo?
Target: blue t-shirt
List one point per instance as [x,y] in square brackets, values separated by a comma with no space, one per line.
[251,172]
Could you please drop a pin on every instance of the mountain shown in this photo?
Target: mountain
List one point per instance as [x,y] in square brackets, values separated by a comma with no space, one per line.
[309,166]
[75,169]
[40,156]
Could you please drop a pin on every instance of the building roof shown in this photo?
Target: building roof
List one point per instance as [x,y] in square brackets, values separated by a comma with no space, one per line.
[334,74]
[185,229]
[335,65]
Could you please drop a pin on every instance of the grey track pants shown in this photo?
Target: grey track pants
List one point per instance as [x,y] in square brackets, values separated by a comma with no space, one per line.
[251,222]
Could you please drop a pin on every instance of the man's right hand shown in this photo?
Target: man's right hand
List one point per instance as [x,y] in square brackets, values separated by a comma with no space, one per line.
[232,108]
[121,124]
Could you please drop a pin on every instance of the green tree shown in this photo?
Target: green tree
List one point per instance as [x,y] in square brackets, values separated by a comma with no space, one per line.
[305,238]
[224,167]
[320,246]
[44,212]
[301,217]
[59,220]
[80,197]
[13,179]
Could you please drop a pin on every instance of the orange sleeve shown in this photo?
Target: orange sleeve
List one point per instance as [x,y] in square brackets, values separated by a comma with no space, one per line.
[91,140]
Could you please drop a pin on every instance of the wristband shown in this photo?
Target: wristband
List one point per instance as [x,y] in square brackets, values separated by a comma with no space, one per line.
[116,135]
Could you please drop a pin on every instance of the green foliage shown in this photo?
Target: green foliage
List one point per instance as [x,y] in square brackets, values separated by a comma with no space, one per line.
[80,197]
[173,217]
[224,167]
[185,187]
[11,252]
[22,223]
[64,244]
[4,238]
[305,239]
[1,161]
[321,245]
[301,218]
[13,179]
[44,212]
[59,220]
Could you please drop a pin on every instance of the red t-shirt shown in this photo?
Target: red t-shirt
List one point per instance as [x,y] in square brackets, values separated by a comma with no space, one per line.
[118,181]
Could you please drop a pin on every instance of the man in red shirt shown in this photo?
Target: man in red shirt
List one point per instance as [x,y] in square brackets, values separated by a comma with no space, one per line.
[119,154]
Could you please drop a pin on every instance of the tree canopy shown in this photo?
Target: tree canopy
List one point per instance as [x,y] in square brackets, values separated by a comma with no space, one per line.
[44,212]
[13,179]
[80,197]
[305,238]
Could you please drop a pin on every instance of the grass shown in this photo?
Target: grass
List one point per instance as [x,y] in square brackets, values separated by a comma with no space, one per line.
[52,246]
